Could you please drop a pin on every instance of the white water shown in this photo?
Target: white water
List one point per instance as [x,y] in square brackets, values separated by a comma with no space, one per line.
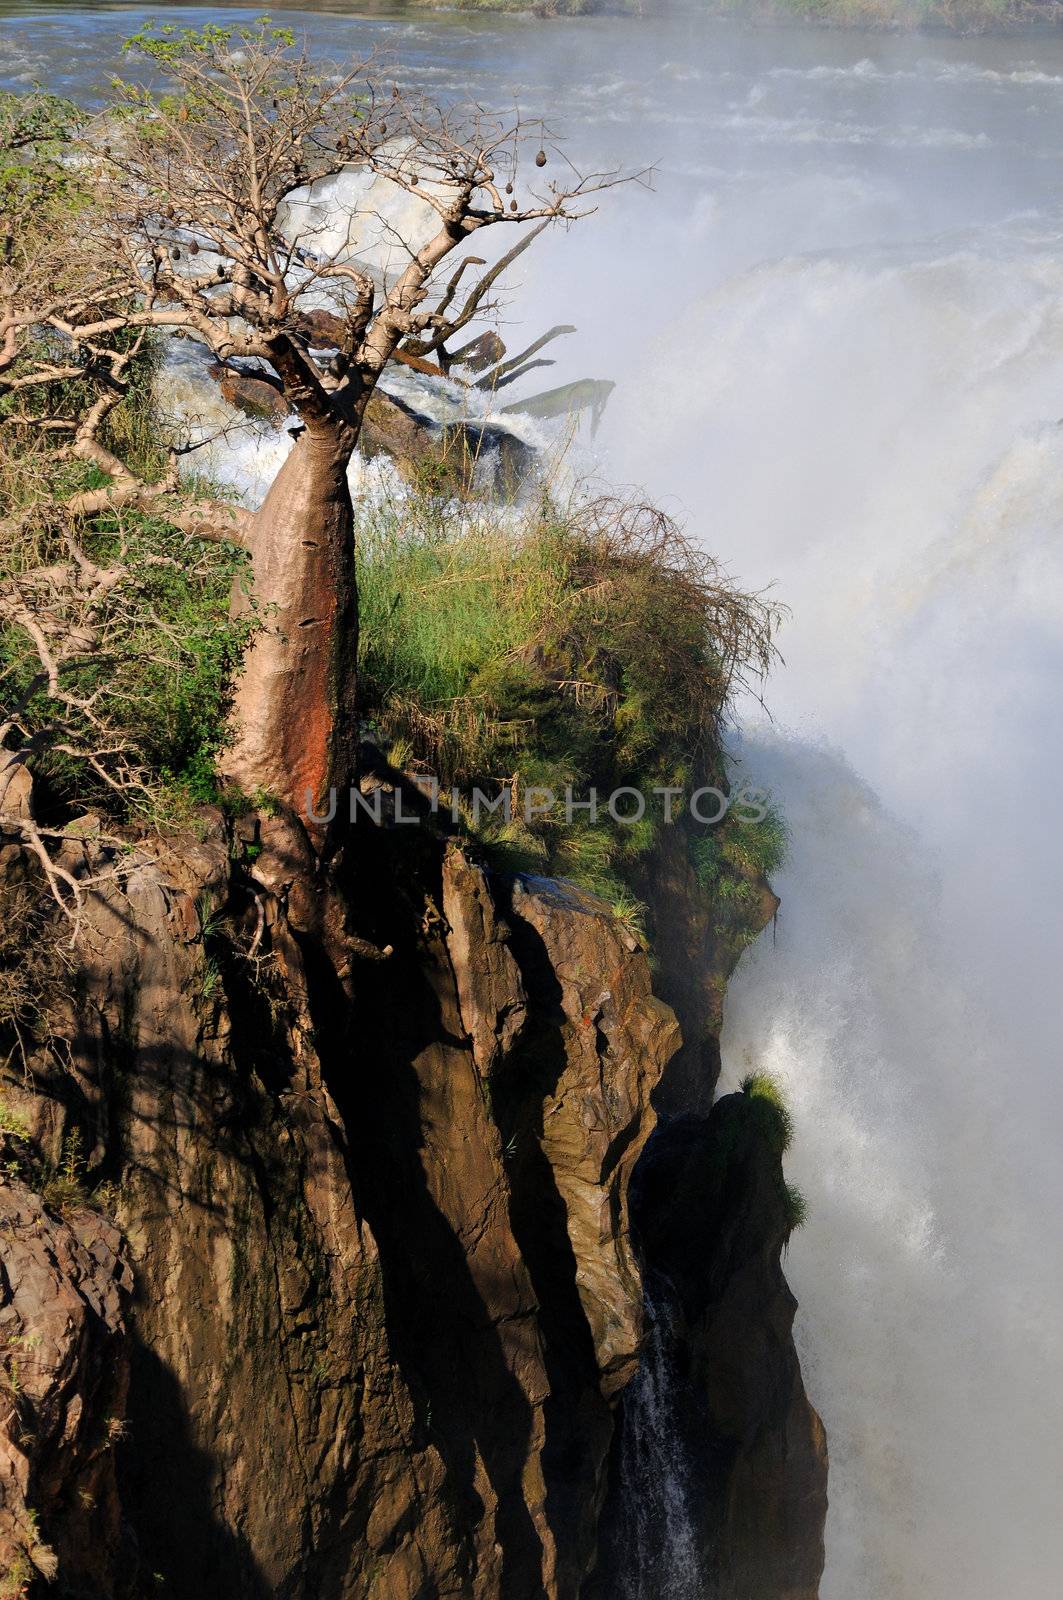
[876,428]
[659,1540]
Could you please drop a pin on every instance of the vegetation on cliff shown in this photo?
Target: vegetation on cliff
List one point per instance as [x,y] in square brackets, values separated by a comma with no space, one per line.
[183,224]
[574,665]
[556,650]
[960,16]
[143,643]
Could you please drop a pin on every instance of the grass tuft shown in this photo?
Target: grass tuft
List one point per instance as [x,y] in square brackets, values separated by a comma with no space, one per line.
[796,1209]
[773,1114]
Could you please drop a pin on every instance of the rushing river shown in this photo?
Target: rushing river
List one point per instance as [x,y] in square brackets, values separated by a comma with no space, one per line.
[836,327]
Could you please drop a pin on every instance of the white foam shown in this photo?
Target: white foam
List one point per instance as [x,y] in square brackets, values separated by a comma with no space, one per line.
[876,429]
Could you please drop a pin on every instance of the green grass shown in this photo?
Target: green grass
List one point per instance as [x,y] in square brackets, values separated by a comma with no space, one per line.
[739,851]
[769,1104]
[796,1209]
[556,649]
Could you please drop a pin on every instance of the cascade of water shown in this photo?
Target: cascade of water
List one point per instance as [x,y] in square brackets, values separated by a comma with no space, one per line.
[912,519]
[660,1554]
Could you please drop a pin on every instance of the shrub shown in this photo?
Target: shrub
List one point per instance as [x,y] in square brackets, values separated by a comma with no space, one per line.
[583,647]
[62,1184]
[154,684]
[12,1126]
[32,960]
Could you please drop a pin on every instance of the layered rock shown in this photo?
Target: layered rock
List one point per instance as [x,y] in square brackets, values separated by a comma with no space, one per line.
[371,1130]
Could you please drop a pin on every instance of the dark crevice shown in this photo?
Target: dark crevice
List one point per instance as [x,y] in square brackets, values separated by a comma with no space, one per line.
[376,1037]
[574,1414]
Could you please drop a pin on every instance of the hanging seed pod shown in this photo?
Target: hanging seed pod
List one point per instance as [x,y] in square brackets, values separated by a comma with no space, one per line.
[193,248]
[175,253]
[540,160]
[513,205]
[383,130]
[414,181]
[220,271]
[509,188]
[394,91]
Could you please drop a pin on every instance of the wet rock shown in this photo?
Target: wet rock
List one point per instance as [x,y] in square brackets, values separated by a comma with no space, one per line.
[711,1215]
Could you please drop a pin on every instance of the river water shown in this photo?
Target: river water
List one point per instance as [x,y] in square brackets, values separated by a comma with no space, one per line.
[836,327]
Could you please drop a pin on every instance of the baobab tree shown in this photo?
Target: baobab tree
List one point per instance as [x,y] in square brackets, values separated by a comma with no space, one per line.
[188,225]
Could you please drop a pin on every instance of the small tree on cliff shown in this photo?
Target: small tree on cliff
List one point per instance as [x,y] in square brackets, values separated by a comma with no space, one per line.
[185,223]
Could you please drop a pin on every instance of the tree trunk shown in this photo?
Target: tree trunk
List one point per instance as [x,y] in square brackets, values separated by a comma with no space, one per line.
[294,708]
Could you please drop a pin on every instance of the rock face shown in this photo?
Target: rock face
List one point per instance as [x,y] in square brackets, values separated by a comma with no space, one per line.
[64,1288]
[493,1171]
[696,954]
[372,1129]
[711,1212]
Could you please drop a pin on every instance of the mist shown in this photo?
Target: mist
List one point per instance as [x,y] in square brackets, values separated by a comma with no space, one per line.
[851,388]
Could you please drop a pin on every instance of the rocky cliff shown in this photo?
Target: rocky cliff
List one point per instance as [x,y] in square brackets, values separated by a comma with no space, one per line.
[365,1315]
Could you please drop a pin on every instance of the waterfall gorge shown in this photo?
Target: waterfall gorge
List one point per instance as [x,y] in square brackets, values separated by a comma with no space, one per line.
[837,332]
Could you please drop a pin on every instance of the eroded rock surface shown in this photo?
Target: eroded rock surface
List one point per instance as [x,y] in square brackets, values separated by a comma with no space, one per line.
[372,1128]
[64,1367]
[349,1340]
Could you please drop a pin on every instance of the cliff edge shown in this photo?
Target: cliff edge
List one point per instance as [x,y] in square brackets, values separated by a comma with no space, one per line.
[318,1274]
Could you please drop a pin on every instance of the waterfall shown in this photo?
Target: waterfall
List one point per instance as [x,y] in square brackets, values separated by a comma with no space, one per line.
[659,1551]
[877,430]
